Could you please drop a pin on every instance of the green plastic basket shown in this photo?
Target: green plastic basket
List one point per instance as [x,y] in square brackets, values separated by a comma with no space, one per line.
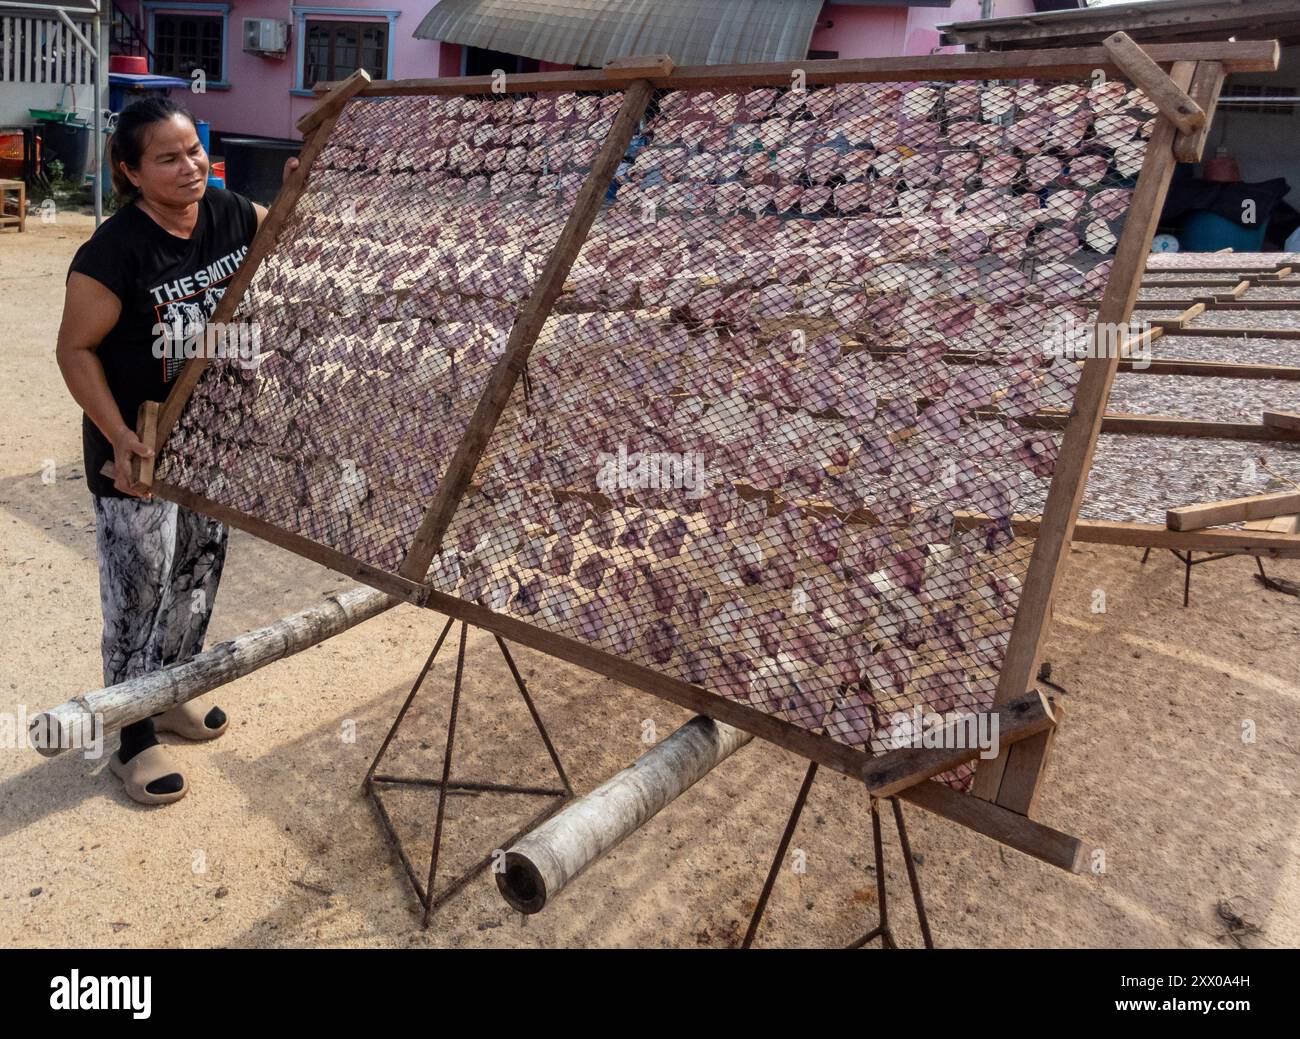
[52,115]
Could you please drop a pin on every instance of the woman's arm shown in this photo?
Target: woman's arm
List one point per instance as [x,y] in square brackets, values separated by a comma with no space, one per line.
[90,311]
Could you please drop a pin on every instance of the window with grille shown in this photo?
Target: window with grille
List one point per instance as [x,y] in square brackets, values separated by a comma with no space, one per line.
[335,50]
[1248,90]
[185,42]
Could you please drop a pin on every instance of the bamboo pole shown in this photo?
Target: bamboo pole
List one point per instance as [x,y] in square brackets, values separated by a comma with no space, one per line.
[143,697]
[538,866]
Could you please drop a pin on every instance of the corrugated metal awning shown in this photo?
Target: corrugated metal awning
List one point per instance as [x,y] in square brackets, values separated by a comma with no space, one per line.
[591,32]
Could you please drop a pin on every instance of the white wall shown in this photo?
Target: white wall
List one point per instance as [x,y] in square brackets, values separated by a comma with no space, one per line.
[1265,146]
[37,56]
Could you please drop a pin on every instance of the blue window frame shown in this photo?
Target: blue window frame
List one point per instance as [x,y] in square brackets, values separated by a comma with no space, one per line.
[331,42]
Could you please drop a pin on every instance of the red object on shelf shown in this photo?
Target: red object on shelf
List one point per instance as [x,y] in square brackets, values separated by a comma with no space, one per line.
[132,64]
[1222,169]
[11,155]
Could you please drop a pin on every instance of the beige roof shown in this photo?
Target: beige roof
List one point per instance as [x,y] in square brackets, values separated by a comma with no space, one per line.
[590,32]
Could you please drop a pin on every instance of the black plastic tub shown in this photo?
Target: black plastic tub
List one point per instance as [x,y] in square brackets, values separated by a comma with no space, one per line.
[255,165]
[70,143]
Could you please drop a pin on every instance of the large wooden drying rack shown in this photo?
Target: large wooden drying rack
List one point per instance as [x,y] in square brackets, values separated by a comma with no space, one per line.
[1005,790]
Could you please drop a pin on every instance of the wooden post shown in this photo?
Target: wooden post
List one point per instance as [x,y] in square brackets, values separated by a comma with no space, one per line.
[146,429]
[158,691]
[1207,83]
[1020,666]
[1167,95]
[528,325]
[1013,829]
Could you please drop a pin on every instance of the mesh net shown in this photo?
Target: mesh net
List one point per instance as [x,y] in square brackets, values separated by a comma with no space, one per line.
[803,337]
[1256,321]
[382,310]
[808,331]
[1206,398]
[1135,479]
[1249,348]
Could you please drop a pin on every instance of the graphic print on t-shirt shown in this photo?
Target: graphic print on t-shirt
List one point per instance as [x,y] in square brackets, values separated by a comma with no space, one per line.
[184,304]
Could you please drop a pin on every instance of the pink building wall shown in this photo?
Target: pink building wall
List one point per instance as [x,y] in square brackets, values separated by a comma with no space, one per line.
[258,94]
[883,32]
[260,98]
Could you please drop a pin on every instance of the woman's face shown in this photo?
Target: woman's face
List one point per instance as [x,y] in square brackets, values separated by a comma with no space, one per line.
[173,170]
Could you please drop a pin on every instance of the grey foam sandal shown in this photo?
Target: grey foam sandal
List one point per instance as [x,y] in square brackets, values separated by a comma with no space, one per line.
[190,720]
[149,766]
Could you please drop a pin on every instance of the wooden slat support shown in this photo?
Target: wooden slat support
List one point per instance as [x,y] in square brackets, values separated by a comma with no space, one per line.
[1171,426]
[1029,717]
[1258,304]
[1173,324]
[1169,97]
[1145,339]
[264,241]
[1217,369]
[1013,829]
[1124,423]
[1237,510]
[1204,91]
[528,325]
[332,103]
[1154,282]
[1289,524]
[641,65]
[146,429]
[1230,332]
[1020,664]
[1149,535]
[1157,266]
[1289,420]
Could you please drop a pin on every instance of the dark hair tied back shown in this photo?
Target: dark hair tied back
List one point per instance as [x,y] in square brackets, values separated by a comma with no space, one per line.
[127,143]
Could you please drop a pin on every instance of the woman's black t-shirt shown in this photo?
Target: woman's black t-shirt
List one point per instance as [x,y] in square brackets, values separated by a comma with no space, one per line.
[161,280]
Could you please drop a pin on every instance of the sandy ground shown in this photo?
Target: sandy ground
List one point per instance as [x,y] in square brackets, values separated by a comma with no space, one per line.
[275,845]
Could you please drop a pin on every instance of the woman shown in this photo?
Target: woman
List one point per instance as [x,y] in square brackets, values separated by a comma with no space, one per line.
[162,261]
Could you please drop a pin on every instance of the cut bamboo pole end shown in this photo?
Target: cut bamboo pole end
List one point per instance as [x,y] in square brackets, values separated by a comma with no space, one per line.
[53,731]
[539,865]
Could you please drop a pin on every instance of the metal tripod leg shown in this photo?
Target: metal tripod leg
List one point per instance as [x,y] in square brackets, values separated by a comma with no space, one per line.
[426,892]
[791,823]
[882,929]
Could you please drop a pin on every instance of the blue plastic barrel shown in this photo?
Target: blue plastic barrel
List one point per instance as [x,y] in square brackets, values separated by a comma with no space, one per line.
[1207,232]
